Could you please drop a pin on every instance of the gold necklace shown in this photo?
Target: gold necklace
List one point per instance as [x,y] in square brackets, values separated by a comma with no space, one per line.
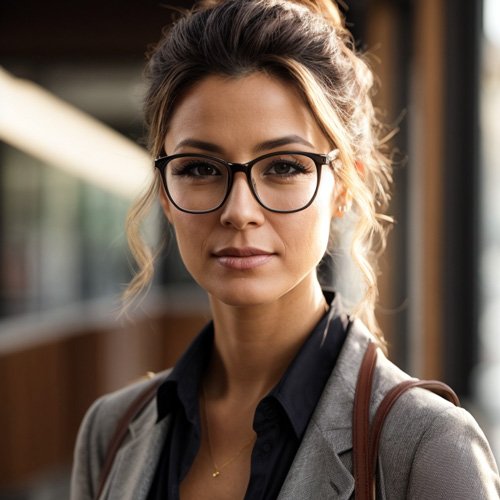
[218,468]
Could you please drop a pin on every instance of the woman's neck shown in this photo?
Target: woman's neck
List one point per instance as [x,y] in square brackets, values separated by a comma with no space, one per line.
[254,345]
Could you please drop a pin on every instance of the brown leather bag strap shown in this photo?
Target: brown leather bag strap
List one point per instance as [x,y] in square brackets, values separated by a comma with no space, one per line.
[363,482]
[137,405]
[366,437]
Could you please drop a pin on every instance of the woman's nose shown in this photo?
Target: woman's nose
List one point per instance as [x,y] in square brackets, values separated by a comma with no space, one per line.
[241,209]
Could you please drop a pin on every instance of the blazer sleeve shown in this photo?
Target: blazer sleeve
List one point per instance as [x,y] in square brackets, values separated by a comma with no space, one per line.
[453,460]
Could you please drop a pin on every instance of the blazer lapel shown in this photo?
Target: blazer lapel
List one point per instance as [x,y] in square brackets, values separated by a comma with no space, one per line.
[136,462]
[318,470]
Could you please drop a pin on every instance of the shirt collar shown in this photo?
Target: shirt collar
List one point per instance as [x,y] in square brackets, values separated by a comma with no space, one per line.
[300,388]
[297,392]
[182,385]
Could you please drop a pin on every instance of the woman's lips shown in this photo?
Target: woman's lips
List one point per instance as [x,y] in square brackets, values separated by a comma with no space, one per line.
[242,258]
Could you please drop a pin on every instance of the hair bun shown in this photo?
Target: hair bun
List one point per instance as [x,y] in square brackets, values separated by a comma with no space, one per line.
[327,9]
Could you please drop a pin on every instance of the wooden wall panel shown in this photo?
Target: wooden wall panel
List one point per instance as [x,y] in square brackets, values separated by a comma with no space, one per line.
[46,388]
[428,164]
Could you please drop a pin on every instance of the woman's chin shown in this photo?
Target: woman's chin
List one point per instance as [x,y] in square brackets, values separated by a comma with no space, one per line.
[243,295]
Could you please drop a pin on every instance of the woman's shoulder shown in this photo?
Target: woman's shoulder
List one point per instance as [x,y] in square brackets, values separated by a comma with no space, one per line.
[441,444]
[419,412]
[98,427]
[110,408]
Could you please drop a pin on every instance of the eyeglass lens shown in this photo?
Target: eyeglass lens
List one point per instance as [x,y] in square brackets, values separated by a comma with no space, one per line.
[284,182]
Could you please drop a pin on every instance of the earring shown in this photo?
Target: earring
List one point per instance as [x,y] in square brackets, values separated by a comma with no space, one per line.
[342,209]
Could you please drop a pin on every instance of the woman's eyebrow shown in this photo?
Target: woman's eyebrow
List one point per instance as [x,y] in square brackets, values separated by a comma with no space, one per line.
[195,143]
[282,141]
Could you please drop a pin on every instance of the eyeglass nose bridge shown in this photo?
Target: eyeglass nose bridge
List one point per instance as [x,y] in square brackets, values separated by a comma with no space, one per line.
[233,169]
[239,167]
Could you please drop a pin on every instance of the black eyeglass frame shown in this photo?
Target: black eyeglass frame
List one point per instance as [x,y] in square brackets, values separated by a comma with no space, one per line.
[319,160]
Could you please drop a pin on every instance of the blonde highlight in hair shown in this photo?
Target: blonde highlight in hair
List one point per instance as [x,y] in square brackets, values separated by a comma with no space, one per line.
[305,43]
[141,252]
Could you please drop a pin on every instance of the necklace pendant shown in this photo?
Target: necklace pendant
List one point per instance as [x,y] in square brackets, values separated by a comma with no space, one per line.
[215,473]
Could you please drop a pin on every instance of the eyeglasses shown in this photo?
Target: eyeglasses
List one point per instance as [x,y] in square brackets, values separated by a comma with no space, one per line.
[283,182]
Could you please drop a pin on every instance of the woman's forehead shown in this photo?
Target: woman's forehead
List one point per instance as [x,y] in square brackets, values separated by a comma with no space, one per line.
[253,108]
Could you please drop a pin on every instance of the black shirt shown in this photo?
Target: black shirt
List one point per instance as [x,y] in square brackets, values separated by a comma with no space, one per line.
[280,418]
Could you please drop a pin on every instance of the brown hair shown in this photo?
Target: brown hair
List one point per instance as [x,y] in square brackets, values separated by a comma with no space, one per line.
[305,43]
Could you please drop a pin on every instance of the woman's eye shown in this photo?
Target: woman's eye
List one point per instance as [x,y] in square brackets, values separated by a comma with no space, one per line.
[284,168]
[198,169]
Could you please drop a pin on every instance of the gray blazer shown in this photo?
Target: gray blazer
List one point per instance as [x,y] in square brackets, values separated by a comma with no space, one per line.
[429,449]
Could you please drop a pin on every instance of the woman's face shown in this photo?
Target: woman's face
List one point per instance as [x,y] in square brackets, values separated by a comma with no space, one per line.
[243,254]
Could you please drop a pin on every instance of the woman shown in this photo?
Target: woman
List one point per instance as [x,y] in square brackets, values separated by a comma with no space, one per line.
[265,137]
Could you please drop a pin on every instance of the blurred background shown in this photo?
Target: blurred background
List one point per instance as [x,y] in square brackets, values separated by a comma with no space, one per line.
[72,160]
